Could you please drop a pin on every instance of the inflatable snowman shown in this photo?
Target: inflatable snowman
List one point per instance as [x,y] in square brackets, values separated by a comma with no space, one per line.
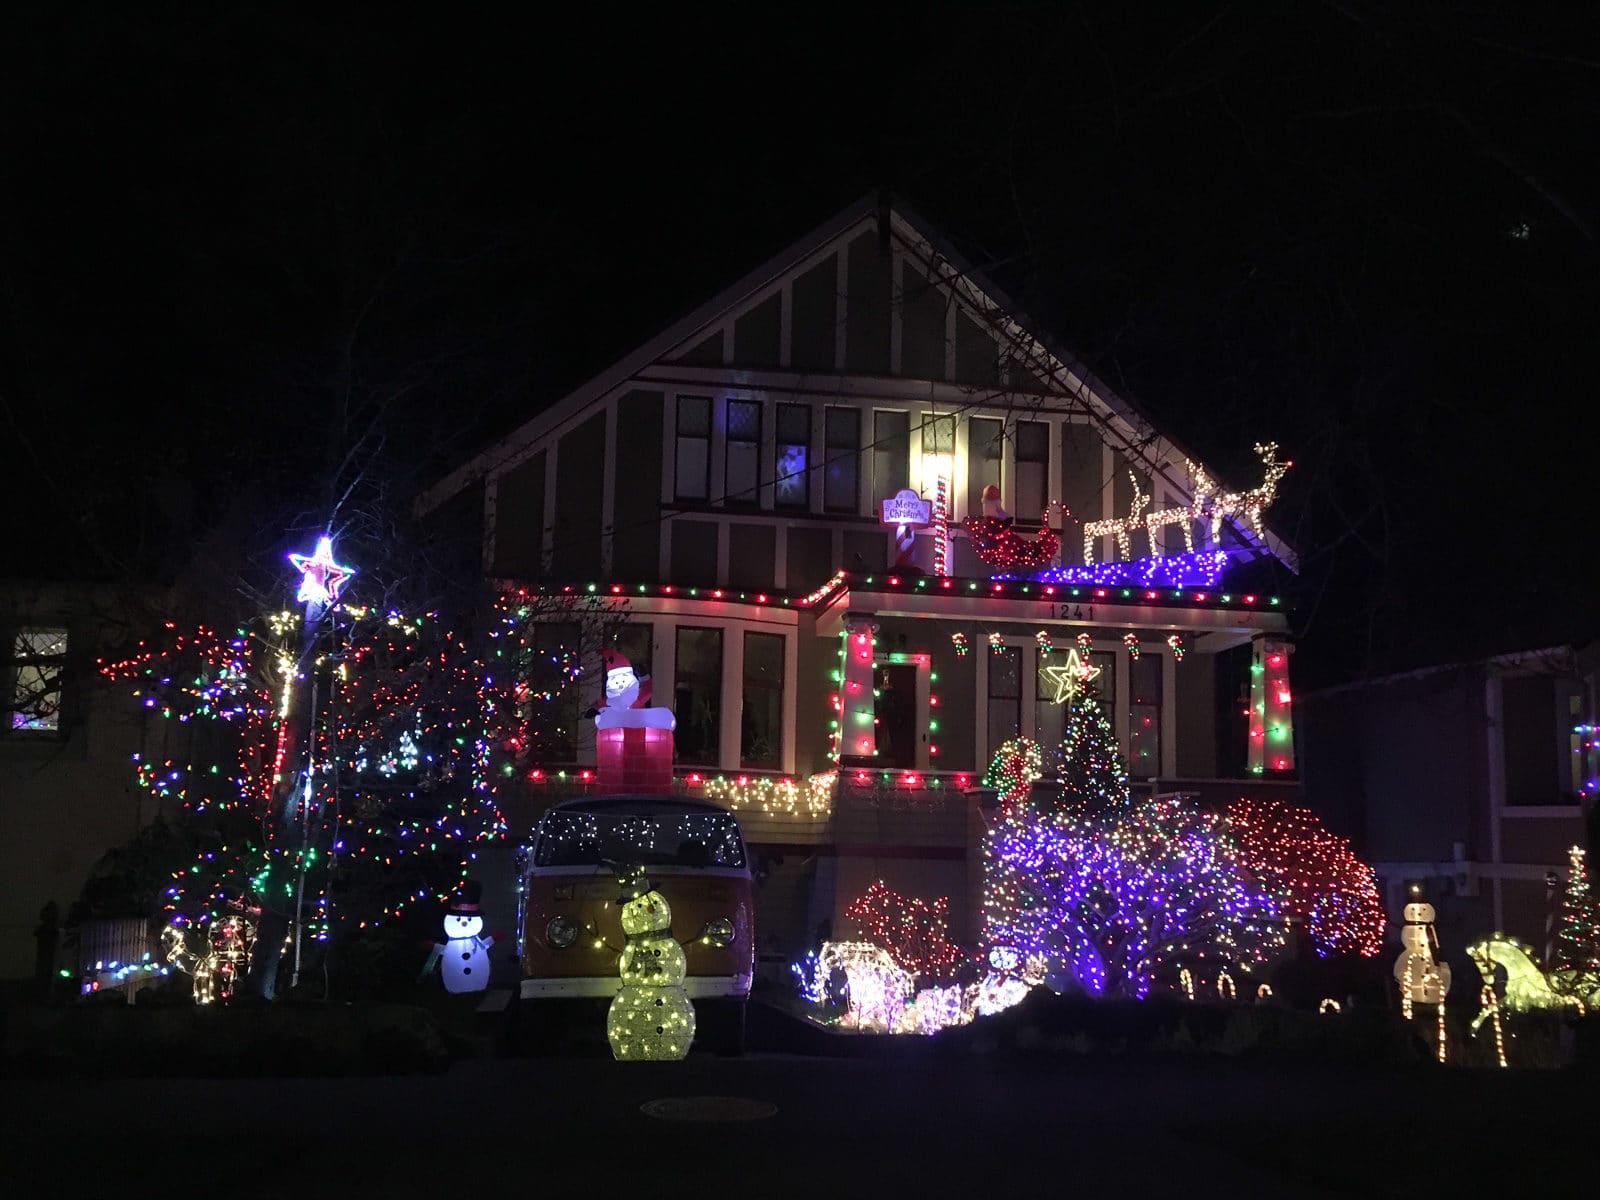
[1003,986]
[464,956]
[651,1019]
[626,704]
[1422,976]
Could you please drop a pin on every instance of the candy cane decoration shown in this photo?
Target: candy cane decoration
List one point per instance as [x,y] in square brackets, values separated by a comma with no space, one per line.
[941,525]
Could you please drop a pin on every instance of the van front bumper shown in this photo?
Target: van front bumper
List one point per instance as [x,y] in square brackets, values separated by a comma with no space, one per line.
[577,987]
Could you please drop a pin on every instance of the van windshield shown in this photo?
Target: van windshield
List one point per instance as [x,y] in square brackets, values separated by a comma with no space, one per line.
[573,838]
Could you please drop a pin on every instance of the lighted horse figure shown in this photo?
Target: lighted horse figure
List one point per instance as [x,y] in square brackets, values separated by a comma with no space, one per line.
[1526,985]
[1123,527]
[1230,504]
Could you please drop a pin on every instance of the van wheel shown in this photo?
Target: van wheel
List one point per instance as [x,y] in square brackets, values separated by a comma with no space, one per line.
[722,1027]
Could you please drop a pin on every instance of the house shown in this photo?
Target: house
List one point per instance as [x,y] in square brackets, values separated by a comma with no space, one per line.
[67,790]
[778,486]
[1475,777]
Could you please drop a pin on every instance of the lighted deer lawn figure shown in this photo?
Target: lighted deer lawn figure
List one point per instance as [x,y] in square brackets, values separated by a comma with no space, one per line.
[1231,504]
[1123,527]
[1183,515]
[1527,987]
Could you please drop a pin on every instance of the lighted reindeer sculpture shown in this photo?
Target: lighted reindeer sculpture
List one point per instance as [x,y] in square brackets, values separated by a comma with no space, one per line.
[1182,516]
[1231,504]
[1123,527]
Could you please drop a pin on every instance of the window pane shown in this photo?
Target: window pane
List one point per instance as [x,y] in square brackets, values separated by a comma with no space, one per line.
[984,445]
[839,488]
[793,488]
[1049,718]
[1144,740]
[1144,680]
[938,435]
[697,696]
[744,421]
[39,661]
[1033,441]
[843,428]
[693,474]
[1031,497]
[761,729]
[794,423]
[1005,697]
[740,485]
[891,453]
[694,416]
[633,642]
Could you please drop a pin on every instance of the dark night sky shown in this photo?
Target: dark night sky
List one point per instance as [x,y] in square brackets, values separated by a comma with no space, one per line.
[233,244]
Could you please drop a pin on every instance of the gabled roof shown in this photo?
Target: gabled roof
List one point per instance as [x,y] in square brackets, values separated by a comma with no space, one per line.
[1122,419]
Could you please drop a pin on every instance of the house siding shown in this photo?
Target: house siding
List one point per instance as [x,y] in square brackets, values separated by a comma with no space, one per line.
[575,539]
[636,507]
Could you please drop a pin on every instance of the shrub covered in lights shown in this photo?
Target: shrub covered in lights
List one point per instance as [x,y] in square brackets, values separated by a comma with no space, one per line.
[911,930]
[1118,897]
[1319,879]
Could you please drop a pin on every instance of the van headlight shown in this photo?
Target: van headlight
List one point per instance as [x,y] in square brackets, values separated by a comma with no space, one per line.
[561,932]
[719,932]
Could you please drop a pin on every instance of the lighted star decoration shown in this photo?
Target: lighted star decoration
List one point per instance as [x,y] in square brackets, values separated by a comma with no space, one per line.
[321,579]
[1069,678]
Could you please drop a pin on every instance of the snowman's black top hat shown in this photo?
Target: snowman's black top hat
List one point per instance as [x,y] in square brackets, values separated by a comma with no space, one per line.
[466,902]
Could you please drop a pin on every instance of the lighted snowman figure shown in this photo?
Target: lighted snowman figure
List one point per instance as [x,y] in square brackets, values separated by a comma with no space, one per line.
[1423,978]
[464,956]
[626,704]
[651,1018]
[1003,986]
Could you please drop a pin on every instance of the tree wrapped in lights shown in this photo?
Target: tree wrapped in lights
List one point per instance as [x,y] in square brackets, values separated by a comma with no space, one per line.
[1316,875]
[410,729]
[1092,775]
[911,930]
[1576,966]
[1116,897]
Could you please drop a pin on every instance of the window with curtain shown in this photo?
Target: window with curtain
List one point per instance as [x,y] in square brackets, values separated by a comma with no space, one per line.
[1033,470]
[742,454]
[841,479]
[693,470]
[697,696]
[891,453]
[985,454]
[761,726]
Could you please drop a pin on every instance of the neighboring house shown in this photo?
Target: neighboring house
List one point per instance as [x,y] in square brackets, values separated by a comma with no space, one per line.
[726,479]
[1476,777]
[67,786]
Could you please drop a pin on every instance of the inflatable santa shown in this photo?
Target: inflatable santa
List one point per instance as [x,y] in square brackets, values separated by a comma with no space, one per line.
[626,704]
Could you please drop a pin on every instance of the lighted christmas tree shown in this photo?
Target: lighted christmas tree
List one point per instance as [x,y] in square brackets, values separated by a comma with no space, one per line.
[1117,897]
[1576,970]
[1093,778]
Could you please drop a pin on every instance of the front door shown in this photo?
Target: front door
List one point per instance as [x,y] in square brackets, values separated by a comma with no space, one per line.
[895,706]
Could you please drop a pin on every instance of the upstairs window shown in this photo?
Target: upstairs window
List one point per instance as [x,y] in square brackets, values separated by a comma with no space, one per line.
[891,453]
[1033,469]
[33,677]
[693,473]
[792,457]
[743,453]
[841,481]
[985,453]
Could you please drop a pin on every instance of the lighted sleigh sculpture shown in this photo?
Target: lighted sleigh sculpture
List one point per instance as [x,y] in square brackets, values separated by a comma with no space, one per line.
[997,542]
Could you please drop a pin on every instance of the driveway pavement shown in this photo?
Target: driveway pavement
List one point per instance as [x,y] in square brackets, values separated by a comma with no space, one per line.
[837,1129]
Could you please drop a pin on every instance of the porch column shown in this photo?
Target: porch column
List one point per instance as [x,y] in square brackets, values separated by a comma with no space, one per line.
[1271,720]
[858,734]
